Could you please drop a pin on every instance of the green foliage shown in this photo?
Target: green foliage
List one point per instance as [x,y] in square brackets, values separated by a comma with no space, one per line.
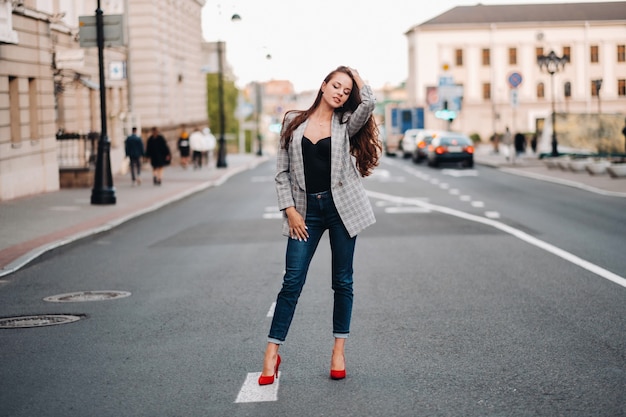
[475,137]
[230,105]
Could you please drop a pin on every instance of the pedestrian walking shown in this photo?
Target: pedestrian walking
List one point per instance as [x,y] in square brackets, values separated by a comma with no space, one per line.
[323,153]
[507,139]
[520,144]
[183,148]
[624,133]
[159,153]
[134,151]
[197,144]
[209,144]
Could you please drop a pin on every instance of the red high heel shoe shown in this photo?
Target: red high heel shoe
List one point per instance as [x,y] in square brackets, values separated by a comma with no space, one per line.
[338,374]
[269,380]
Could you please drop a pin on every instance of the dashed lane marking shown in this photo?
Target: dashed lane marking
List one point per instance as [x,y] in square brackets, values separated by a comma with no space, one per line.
[405,209]
[492,214]
[252,392]
[478,204]
[270,313]
[272,212]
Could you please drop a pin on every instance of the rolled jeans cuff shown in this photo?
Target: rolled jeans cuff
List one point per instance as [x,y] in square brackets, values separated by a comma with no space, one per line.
[275,341]
[341,335]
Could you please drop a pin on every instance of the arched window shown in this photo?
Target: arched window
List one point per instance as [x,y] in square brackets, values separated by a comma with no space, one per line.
[541,93]
[567,89]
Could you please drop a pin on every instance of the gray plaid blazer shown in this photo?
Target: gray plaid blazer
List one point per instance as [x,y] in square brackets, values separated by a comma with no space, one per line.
[346,187]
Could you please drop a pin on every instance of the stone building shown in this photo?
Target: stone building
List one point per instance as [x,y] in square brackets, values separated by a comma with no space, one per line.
[486,59]
[49,86]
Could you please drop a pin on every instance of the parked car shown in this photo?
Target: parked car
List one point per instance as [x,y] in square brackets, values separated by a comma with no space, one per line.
[422,140]
[408,142]
[451,147]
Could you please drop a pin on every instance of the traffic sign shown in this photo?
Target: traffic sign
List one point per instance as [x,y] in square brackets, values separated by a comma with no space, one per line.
[514,98]
[515,79]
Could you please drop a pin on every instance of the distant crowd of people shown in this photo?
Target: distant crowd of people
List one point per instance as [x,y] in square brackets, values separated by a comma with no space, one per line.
[195,149]
[519,142]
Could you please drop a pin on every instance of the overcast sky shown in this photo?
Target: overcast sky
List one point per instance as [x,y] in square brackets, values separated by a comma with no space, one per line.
[309,38]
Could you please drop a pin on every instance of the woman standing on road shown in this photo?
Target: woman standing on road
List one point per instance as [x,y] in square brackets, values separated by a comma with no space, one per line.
[324,151]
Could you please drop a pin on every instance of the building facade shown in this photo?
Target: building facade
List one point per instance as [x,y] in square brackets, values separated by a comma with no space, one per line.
[484,59]
[50,93]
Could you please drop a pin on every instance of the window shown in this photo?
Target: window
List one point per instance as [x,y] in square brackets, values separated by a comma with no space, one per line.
[621,53]
[567,51]
[541,91]
[512,56]
[539,51]
[487,91]
[621,88]
[567,89]
[33,109]
[458,54]
[594,56]
[594,89]
[486,57]
[14,110]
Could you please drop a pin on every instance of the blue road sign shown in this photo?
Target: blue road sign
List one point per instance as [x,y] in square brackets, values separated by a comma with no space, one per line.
[515,79]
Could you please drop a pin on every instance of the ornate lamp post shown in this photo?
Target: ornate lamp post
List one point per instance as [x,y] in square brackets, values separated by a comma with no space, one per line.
[103,191]
[553,64]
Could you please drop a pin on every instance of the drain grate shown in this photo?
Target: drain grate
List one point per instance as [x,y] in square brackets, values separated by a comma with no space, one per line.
[37,321]
[82,296]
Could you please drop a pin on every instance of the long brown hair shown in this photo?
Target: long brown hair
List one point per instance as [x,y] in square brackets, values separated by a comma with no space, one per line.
[364,145]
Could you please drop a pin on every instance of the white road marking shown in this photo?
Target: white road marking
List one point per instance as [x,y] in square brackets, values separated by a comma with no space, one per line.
[465,198]
[478,204]
[454,191]
[460,173]
[492,214]
[270,312]
[272,212]
[444,186]
[405,209]
[252,392]
[569,257]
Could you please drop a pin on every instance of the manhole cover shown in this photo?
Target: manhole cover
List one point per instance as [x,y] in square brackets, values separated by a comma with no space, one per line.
[77,297]
[36,321]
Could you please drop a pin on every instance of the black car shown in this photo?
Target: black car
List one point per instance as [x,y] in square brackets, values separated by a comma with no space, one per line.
[450,148]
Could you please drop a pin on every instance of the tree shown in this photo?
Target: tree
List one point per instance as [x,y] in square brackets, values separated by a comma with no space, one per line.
[230,105]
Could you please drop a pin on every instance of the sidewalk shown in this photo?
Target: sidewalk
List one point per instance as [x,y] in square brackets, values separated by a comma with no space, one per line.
[529,165]
[34,225]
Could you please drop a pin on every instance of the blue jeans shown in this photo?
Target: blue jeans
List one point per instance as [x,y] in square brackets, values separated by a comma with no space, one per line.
[321,215]
[135,168]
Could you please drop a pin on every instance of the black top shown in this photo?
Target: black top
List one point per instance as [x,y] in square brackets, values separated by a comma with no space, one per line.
[316,164]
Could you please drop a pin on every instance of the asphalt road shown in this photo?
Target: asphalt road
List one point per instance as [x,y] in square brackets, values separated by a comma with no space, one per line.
[453,316]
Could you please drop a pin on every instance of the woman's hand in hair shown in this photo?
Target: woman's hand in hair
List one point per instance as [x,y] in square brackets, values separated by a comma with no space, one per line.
[357,77]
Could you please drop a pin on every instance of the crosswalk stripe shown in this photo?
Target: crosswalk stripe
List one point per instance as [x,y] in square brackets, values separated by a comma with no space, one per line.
[252,392]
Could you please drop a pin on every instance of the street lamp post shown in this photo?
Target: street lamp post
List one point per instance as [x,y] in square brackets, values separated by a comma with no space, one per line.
[103,191]
[221,149]
[221,142]
[553,64]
